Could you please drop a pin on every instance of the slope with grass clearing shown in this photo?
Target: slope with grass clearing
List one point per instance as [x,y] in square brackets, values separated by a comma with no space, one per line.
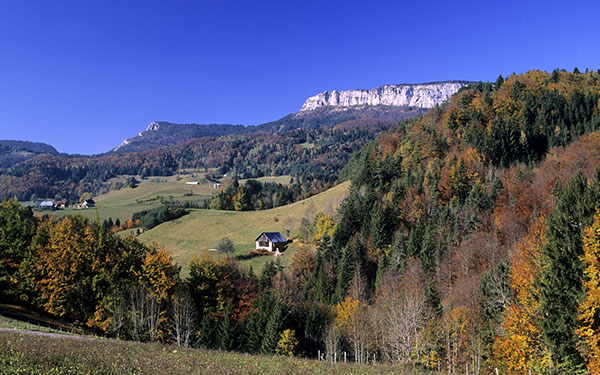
[199,231]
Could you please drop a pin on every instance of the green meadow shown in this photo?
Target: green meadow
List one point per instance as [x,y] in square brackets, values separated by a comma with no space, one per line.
[124,202]
[199,231]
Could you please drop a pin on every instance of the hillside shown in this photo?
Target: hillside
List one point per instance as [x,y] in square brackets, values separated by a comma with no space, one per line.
[123,202]
[14,152]
[470,236]
[195,233]
[313,157]
[28,354]
[478,212]
[162,133]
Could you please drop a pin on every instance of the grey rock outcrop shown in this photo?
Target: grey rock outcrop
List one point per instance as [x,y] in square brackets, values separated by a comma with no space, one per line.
[425,95]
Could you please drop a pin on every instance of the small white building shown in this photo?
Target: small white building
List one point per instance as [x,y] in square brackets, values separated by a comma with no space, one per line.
[273,242]
[192,183]
[87,203]
[47,204]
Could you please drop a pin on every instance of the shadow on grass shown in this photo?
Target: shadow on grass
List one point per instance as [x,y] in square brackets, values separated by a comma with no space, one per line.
[252,254]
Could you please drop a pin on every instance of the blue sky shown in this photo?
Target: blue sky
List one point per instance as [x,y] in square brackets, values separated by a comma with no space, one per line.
[84,75]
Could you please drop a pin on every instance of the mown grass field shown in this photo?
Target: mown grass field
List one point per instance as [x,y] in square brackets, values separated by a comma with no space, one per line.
[124,202]
[200,230]
[27,354]
[284,180]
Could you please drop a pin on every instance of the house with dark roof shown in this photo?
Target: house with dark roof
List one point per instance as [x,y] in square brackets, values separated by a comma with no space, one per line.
[273,242]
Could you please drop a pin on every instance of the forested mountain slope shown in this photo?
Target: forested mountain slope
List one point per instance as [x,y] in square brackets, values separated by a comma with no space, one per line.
[314,157]
[482,240]
[14,152]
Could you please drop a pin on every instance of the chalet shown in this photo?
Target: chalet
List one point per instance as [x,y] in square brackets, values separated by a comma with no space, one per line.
[47,204]
[273,242]
[60,204]
[217,185]
[87,203]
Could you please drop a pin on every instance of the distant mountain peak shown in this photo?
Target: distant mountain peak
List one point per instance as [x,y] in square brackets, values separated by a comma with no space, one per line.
[153,126]
[425,95]
[162,133]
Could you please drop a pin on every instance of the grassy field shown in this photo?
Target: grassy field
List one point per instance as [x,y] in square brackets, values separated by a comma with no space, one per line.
[124,202]
[284,180]
[28,354]
[200,230]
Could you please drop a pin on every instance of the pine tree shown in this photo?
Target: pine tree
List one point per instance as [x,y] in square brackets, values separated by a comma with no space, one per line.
[227,334]
[257,322]
[382,227]
[427,253]
[346,271]
[208,332]
[17,227]
[272,330]
[561,288]
[267,275]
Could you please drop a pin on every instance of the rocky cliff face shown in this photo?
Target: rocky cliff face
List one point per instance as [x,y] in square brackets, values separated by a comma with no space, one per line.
[425,95]
[388,103]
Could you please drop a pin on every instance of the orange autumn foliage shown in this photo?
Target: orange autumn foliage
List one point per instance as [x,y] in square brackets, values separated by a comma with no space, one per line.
[520,348]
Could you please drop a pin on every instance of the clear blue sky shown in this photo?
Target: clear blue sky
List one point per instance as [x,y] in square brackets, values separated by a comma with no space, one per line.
[84,75]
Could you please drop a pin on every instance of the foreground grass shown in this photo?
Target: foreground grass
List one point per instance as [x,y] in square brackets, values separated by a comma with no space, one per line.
[194,234]
[26,354]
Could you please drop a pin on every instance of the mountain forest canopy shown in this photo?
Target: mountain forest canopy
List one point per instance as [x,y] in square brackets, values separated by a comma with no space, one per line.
[313,157]
[469,238]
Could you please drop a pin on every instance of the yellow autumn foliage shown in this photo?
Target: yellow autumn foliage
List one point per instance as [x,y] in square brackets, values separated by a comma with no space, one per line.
[589,308]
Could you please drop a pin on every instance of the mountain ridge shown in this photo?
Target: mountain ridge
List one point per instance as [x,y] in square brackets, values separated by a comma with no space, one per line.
[388,102]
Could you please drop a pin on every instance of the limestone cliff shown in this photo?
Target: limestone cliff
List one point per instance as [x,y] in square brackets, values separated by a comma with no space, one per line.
[425,95]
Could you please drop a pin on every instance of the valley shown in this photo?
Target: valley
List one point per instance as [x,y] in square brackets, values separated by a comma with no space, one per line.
[448,232]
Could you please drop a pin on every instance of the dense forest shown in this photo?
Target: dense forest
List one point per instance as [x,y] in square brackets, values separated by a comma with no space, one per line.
[470,238]
[313,157]
[255,195]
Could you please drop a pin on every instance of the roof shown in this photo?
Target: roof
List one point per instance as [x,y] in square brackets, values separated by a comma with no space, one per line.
[273,236]
[47,204]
